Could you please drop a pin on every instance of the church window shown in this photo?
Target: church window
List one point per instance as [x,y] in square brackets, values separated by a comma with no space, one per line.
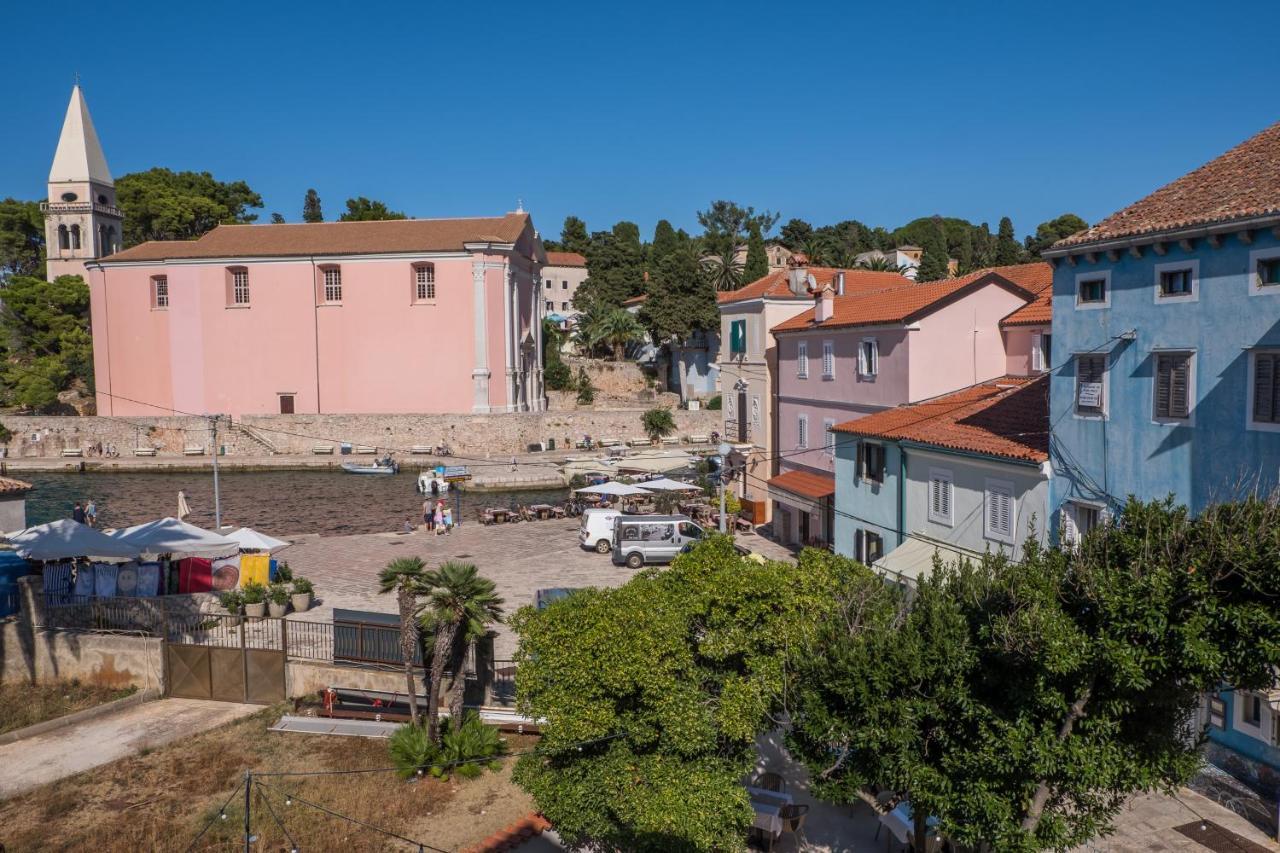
[159,291]
[332,284]
[64,238]
[238,286]
[75,237]
[102,199]
[109,241]
[424,283]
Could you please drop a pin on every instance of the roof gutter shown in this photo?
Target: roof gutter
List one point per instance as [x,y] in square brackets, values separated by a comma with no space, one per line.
[1269,220]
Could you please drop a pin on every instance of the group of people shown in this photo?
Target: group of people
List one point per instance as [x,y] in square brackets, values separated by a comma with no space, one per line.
[437,516]
[86,513]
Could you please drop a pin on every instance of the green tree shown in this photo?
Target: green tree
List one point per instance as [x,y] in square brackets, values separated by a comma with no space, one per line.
[404,577]
[654,694]
[615,268]
[1008,249]
[1024,702]
[311,211]
[21,239]
[794,233]
[618,328]
[554,371]
[658,422]
[46,325]
[933,264]
[665,241]
[277,219]
[757,265]
[459,605]
[725,270]
[1050,232]
[161,204]
[361,209]
[726,225]
[681,305]
[573,236]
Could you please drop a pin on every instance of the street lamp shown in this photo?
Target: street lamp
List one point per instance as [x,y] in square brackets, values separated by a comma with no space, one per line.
[724,449]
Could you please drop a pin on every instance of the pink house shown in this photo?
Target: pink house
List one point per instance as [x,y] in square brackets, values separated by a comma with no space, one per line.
[853,355]
[426,315]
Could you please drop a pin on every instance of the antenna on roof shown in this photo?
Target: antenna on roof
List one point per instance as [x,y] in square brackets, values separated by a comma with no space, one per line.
[77,75]
[519,205]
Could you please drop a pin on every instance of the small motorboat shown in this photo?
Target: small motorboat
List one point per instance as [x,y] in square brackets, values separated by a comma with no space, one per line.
[431,483]
[375,468]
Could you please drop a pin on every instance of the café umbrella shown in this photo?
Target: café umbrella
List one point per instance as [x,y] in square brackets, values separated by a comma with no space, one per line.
[65,539]
[614,489]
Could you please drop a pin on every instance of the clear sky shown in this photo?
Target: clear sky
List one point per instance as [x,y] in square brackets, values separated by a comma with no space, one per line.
[614,110]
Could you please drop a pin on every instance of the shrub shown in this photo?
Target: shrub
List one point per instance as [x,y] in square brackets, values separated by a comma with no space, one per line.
[472,743]
[231,600]
[577,481]
[412,751]
[713,405]
[586,391]
[302,585]
[278,593]
[5,434]
[253,593]
[558,376]
[284,574]
[658,422]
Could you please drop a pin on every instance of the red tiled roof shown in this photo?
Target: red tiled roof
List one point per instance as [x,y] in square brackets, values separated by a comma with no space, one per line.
[9,485]
[636,300]
[333,238]
[1006,417]
[1039,311]
[776,285]
[805,484]
[565,259]
[1243,182]
[902,304]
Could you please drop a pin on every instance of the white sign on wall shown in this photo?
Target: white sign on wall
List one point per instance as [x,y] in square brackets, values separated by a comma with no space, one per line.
[1090,395]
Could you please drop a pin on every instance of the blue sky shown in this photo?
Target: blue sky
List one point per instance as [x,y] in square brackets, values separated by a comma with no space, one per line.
[874,111]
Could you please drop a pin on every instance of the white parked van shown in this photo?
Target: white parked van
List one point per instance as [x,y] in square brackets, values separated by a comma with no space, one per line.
[596,530]
[641,539]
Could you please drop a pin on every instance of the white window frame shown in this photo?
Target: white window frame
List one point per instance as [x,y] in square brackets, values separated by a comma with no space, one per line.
[1190,419]
[802,359]
[1106,388]
[942,475]
[1004,487]
[1191,264]
[1256,288]
[160,300]
[1069,533]
[869,367]
[802,432]
[828,436]
[1249,422]
[828,359]
[1105,275]
[424,284]
[1037,351]
[240,288]
[1216,711]
[328,288]
[1258,730]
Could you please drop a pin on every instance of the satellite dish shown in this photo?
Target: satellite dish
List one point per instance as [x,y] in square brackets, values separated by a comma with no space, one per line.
[724,449]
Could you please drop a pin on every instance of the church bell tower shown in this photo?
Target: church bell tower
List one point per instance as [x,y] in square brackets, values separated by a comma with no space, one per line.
[81,219]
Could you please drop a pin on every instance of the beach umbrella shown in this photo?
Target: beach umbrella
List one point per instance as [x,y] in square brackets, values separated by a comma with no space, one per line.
[251,540]
[183,508]
[621,490]
[65,539]
[665,484]
[171,536]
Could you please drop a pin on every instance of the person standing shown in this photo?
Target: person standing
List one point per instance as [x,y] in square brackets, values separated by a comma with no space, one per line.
[91,513]
[439,518]
[77,513]
[426,512]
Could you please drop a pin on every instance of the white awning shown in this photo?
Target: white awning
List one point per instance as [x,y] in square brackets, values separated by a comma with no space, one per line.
[666,484]
[171,536]
[914,558]
[65,539]
[614,488]
[251,540]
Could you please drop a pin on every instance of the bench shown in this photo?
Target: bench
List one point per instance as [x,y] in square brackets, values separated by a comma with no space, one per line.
[671,439]
[422,450]
[698,439]
[193,450]
[609,442]
[365,450]
[144,451]
[72,451]
[638,442]
[322,449]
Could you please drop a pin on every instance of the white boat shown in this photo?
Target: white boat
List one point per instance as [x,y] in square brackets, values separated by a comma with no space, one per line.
[431,483]
[357,468]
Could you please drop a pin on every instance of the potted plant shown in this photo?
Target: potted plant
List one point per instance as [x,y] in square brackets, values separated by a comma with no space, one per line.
[302,593]
[284,574]
[232,601]
[277,600]
[254,596]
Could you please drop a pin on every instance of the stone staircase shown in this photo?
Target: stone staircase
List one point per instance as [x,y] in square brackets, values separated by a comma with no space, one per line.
[254,436]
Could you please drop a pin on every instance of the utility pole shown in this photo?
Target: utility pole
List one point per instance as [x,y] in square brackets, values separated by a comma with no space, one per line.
[724,449]
[217,494]
[248,793]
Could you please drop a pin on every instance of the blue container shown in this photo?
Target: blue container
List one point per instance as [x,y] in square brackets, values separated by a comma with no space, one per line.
[12,567]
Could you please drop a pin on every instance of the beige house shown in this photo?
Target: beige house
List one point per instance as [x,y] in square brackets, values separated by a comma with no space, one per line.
[561,275]
[778,255]
[748,363]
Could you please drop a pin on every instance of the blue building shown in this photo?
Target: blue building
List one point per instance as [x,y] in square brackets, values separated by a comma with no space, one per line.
[1165,373]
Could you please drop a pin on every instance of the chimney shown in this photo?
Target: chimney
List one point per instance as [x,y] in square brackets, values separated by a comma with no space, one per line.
[798,280]
[823,303]
[840,283]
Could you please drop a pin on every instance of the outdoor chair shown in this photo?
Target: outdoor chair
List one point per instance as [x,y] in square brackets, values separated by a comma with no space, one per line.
[770,782]
[793,817]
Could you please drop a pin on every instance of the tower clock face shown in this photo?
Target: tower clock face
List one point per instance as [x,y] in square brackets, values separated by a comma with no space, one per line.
[68,196]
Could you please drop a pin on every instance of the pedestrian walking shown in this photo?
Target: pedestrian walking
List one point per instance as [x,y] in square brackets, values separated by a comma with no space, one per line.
[439,517]
[91,513]
[426,512]
[77,513]
[448,520]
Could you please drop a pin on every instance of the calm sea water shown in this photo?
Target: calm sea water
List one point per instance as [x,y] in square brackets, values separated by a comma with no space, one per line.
[279,502]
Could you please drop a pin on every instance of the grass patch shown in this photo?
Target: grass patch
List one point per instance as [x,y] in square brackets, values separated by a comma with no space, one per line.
[159,801]
[24,704]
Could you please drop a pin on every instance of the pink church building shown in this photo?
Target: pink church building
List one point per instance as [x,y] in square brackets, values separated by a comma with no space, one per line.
[404,316]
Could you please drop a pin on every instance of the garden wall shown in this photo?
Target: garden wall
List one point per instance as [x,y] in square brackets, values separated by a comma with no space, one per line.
[110,660]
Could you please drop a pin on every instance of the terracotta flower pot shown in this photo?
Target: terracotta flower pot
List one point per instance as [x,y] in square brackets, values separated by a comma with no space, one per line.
[301,601]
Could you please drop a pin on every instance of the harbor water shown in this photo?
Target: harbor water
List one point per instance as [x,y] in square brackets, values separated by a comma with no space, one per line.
[282,503]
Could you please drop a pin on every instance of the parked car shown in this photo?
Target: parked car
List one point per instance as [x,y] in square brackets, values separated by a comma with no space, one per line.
[596,529]
[544,597]
[653,539]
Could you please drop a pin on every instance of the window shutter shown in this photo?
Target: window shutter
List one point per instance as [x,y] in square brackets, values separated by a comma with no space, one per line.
[1164,376]
[874,356]
[945,489]
[1067,530]
[1179,404]
[1264,387]
[859,549]
[862,358]
[860,468]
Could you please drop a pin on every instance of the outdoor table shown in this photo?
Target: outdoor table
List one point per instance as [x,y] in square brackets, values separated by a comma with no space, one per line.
[498,514]
[542,510]
[899,822]
[768,807]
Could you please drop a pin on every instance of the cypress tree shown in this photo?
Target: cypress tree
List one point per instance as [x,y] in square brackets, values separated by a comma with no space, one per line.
[1008,249]
[757,266]
[311,211]
[933,265]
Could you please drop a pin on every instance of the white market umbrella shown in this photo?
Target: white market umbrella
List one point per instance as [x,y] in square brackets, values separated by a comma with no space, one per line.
[666,484]
[251,540]
[171,536]
[622,490]
[184,509]
[65,539]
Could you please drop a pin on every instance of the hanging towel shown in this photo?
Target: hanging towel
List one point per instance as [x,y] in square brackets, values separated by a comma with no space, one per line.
[104,580]
[84,584]
[226,573]
[148,580]
[57,580]
[272,572]
[127,579]
[195,575]
[254,568]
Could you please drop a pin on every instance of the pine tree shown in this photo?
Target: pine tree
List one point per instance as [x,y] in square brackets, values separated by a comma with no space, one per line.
[311,211]
[933,265]
[573,236]
[757,266]
[1008,249]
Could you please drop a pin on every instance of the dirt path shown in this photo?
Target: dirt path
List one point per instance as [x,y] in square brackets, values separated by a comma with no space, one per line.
[39,760]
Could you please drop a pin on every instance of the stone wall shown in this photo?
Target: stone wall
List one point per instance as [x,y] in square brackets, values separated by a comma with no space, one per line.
[45,436]
[111,660]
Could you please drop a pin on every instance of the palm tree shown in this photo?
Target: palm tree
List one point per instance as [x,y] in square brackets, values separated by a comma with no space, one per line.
[618,328]
[724,268]
[404,576]
[817,248]
[459,607]
[881,263]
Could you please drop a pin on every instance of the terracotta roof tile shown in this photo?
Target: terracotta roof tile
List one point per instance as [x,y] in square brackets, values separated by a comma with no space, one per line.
[776,285]
[565,259]
[1243,182]
[1006,417]
[1039,311]
[9,485]
[901,304]
[805,484]
[333,238]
